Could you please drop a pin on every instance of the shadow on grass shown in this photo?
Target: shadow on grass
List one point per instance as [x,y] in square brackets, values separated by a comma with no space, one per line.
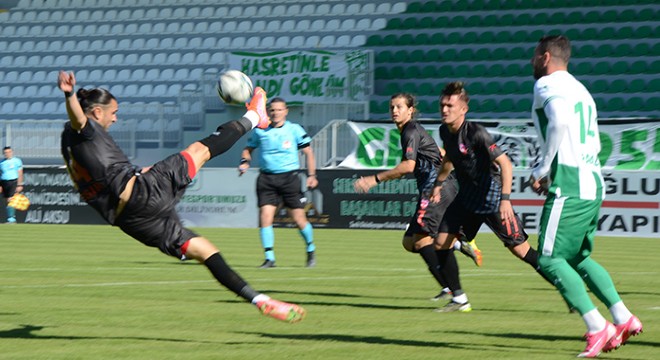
[632,341]
[512,310]
[379,340]
[335,294]
[518,336]
[622,293]
[28,332]
[355,305]
[361,339]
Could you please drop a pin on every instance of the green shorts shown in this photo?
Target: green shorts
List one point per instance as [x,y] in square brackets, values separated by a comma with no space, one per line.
[568,226]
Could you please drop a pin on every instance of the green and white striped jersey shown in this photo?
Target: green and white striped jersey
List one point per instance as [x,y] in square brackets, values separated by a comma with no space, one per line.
[564,115]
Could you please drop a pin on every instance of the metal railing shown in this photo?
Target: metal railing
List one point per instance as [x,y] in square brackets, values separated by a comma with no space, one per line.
[333,143]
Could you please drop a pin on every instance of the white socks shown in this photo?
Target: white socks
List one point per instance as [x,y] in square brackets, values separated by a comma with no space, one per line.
[594,320]
[253,117]
[260,297]
[461,299]
[620,313]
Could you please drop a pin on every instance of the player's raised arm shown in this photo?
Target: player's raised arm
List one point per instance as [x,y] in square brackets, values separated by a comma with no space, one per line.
[66,81]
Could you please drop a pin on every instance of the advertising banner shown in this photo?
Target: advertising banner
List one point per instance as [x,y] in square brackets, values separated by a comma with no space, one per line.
[53,199]
[218,197]
[307,75]
[631,208]
[625,146]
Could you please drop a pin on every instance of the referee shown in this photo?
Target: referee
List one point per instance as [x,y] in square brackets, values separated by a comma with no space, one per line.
[278,181]
[11,179]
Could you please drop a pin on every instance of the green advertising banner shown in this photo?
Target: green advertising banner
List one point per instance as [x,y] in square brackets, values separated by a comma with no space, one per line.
[629,146]
[307,76]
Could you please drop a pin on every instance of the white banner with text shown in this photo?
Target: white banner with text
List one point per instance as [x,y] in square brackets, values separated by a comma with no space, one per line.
[301,76]
[629,146]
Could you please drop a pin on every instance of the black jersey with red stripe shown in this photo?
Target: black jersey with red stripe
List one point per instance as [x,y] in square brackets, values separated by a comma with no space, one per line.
[472,151]
[419,146]
[97,166]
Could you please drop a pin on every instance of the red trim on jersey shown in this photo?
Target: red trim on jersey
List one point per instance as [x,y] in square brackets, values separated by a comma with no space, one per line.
[192,170]
[184,247]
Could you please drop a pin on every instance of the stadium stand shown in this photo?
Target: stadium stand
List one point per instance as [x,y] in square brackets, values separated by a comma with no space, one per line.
[615,43]
[160,51]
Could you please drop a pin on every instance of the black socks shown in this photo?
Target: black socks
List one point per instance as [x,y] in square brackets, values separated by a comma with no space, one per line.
[449,271]
[227,277]
[226,136]
[430,258]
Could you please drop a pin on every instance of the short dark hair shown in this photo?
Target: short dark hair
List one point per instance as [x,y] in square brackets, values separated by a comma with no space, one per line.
[89,98]
[6,148]
[557,45]
[456,88]
[277,99]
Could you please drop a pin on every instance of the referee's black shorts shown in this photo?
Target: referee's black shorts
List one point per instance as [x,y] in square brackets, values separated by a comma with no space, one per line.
[284,187]
[150,215]
[9,187]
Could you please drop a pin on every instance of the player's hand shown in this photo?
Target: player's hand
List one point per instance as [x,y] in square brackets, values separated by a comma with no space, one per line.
[363,184]
[506,211]
[66,81]
[312,182]
[242,168]
[435,196]
[539,186]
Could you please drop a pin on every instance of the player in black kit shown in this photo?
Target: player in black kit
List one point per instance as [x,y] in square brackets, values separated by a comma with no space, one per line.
[141,201]
[484,176]
[422,157]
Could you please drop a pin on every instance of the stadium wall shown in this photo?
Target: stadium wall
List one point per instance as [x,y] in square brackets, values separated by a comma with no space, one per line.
[219,198]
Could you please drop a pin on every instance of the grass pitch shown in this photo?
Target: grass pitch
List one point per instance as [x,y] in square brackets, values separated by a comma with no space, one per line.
[91,292]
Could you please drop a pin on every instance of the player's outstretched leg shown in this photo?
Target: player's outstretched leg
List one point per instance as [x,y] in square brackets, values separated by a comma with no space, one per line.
[226,135]
[279,310]
[201,249]
[258,105]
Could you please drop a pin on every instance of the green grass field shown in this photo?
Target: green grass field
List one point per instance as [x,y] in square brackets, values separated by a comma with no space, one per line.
[90,292]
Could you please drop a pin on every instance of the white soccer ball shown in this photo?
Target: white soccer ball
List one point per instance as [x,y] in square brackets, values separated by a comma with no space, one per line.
[234,87]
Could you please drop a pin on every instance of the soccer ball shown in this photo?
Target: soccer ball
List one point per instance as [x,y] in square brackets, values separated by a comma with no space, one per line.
[234,87]
[19,202]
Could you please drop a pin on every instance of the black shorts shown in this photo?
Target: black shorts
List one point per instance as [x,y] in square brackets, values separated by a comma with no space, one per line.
[428,216]
[285,187]
[150,215]
[460,220]
[9,187]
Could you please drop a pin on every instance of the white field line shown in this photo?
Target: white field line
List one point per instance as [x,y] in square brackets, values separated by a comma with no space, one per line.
[468,273]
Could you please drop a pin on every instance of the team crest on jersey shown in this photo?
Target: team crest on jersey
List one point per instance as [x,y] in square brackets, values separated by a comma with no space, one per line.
[462,148]
[424,203]
[286,144]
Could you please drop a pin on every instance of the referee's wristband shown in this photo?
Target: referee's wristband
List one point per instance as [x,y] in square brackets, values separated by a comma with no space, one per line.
[506,196]
[244,161]
[68,94]
[311,175]
[376,178]
[439,182]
